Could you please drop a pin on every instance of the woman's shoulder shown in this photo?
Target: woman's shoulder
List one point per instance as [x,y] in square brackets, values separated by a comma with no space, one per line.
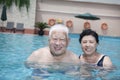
[107,61]
[107,58]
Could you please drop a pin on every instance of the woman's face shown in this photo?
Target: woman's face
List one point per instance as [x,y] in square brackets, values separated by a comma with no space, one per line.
[58,43]
[88,44]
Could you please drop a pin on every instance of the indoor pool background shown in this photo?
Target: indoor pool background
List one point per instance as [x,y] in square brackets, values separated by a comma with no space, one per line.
[15,48]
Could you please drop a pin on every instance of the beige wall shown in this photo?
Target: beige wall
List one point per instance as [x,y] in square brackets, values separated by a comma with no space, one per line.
[15,15]
[66,10]
[99,1]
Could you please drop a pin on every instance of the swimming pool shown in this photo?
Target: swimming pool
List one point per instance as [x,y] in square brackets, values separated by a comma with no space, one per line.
[15,48]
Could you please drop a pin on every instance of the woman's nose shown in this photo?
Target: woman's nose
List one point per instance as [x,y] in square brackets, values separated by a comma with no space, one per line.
[87,44]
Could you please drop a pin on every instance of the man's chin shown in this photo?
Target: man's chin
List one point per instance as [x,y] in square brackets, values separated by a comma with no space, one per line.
[58,54]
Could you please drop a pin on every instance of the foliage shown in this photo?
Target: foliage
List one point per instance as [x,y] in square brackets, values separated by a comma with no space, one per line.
[19,3]
[41,25]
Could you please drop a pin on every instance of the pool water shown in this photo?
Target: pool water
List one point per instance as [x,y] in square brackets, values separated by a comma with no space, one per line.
[15,48]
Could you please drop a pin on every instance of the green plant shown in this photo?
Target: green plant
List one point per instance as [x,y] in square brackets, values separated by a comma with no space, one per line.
[41,25]
[18,3]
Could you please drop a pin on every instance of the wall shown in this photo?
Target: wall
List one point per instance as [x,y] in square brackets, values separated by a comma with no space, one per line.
[22,16]
[66,10]
[100,1]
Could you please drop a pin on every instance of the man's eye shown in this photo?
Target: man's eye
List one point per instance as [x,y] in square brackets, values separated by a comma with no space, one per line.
[62,39]
[55,39]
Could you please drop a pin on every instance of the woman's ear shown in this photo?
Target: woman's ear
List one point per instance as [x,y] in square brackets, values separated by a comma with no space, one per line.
[97,44]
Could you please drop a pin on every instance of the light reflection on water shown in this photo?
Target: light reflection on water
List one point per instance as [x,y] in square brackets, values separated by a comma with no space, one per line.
[15,48]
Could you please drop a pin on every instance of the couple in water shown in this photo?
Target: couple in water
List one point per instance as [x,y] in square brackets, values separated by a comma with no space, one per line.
[52,57]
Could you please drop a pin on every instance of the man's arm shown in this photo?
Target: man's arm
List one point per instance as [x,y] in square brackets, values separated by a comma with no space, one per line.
[32,60]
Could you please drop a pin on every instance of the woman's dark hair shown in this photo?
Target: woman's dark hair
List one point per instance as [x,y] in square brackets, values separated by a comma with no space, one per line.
[89,32]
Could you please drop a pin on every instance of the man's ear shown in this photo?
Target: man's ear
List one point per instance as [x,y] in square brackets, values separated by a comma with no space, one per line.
[48,40]
[68,41]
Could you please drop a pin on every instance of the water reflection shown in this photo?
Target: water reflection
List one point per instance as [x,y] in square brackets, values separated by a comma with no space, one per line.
[68,71]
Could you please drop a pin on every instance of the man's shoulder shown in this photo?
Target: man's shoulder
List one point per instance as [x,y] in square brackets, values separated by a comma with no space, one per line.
[41,50]
[38,54]
[73,57]
[72,54]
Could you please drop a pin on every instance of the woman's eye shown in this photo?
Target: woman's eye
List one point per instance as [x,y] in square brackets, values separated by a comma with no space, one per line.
[91,41]
[84,42]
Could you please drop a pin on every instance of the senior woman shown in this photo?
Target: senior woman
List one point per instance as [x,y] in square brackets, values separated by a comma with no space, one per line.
[89,41]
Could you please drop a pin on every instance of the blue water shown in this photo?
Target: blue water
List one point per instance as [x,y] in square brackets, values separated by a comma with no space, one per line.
[15,48]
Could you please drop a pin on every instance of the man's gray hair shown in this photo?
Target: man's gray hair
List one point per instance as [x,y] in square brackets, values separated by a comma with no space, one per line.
[59,27]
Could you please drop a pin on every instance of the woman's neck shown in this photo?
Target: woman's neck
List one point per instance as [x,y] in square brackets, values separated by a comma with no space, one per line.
[91,58]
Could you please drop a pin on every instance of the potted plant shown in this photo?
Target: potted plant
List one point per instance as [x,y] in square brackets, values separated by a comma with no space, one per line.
[41,26]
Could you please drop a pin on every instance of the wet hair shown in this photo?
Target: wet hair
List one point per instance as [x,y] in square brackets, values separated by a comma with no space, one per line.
[87,32]
[59,27]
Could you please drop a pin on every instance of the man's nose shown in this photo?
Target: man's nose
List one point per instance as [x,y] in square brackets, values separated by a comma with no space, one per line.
[58,41]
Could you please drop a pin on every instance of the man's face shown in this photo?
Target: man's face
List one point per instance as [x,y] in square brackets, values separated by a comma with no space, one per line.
[58,43]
